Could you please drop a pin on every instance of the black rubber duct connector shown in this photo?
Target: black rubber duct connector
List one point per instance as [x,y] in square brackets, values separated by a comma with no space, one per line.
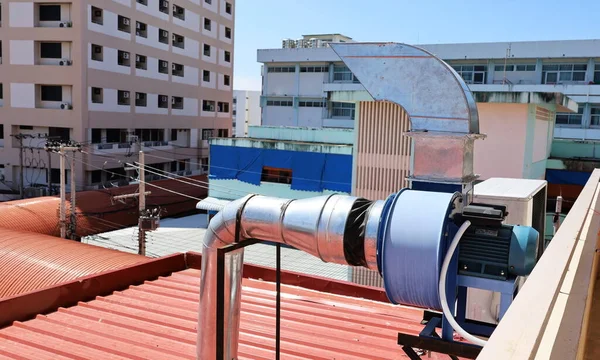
[354,233]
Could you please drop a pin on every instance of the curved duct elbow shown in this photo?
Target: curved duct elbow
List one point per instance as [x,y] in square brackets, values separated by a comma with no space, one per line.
[338,229]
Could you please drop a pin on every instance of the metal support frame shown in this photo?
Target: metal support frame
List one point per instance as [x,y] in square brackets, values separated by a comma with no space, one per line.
[220,326]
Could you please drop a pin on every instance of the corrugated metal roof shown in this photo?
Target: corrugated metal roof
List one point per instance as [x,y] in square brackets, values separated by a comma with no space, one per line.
[157,320]
[212,204]
[30,261]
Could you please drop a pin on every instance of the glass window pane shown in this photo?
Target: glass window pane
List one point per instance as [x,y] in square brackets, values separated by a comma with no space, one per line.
[551,77]
[566,67]
[580,67]
[468,76]
[478,78]
[510,68]
[467,68]
[550,67]
[562,118]
[530,67]
[521,67]
[499,68]
[578,76]
[566,76]
[597,77]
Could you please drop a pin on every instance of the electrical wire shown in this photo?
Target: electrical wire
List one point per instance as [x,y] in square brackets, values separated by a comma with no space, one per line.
[442,288]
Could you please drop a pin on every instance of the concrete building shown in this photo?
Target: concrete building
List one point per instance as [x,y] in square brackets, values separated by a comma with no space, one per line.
[98,72]
[246,111]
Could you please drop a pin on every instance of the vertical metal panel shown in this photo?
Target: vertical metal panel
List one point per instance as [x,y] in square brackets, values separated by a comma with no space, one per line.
[383,160]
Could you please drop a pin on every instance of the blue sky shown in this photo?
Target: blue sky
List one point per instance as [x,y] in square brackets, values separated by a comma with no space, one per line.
[262,24]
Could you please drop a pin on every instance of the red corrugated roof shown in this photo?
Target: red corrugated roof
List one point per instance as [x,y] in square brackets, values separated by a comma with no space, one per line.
[158,319]
[30,261]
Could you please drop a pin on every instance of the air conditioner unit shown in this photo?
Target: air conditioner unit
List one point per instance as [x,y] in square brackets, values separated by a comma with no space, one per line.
[174,37]
[165,4]
[125,55]
[138,58]
[138,26]
[125,95]
[65,24]
[174,66]
[164,98]
[65,62]
[164,64]
[138,96]
[137,33]
[66,106]
[125,21]
[211,108]
[98,13]
[165,33]
[173,100]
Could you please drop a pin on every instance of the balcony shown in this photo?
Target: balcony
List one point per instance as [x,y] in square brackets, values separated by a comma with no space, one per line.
[123,148]
[53,15]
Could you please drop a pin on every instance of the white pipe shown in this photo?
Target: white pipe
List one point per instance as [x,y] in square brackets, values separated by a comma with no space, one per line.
[442,288]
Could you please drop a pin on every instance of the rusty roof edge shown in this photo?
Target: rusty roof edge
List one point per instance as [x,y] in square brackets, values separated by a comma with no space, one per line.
[26,306]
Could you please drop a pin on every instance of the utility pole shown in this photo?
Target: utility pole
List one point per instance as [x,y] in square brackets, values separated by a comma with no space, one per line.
[62,148]
[73,208]
[147,220]
[63,204]
[142,207]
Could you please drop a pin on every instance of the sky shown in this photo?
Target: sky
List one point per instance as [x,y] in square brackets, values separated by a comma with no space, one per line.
[262,24]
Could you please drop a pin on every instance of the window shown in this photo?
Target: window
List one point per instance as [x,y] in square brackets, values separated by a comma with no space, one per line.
[177,102]
[595,117]
[97,95]
[96,136]
[227,56]
[222,132]
[177,70]
[281,69]
[525,67]
[141,29]
[123,97]
[143,2]
[173,134]
[226,80]
[163,6]
[207,24]
[97,16]
[116,136]
[311,103]
[472,74]
[570,118]
[341,73]
[150,134]
[123,58]
[561,73]
[208,105]
[340,110]
[1,91]
[223,107]
[235,100]
[141,62]
[597,74]
[97,52]
[280,103]
[228,8]
[206,50]
[96,176]
[178,12]
[49,12]
[207,134]
[316,69]
[124,24]
[163,101]
[59,132]
[50,50]
[178,41]
[163,36]
[51,93]
[276,175]
[206,76]
[228,33]
[163,66]
[140,99]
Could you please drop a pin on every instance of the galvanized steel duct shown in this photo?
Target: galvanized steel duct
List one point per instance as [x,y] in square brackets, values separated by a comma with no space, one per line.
[320,226]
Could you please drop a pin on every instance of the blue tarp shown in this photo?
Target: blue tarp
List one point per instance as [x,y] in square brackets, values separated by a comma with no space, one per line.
[310,171]
[566,177]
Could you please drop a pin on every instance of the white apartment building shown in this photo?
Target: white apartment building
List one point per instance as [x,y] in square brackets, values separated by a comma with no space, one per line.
[299,82]
[246,111]
[100,71]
